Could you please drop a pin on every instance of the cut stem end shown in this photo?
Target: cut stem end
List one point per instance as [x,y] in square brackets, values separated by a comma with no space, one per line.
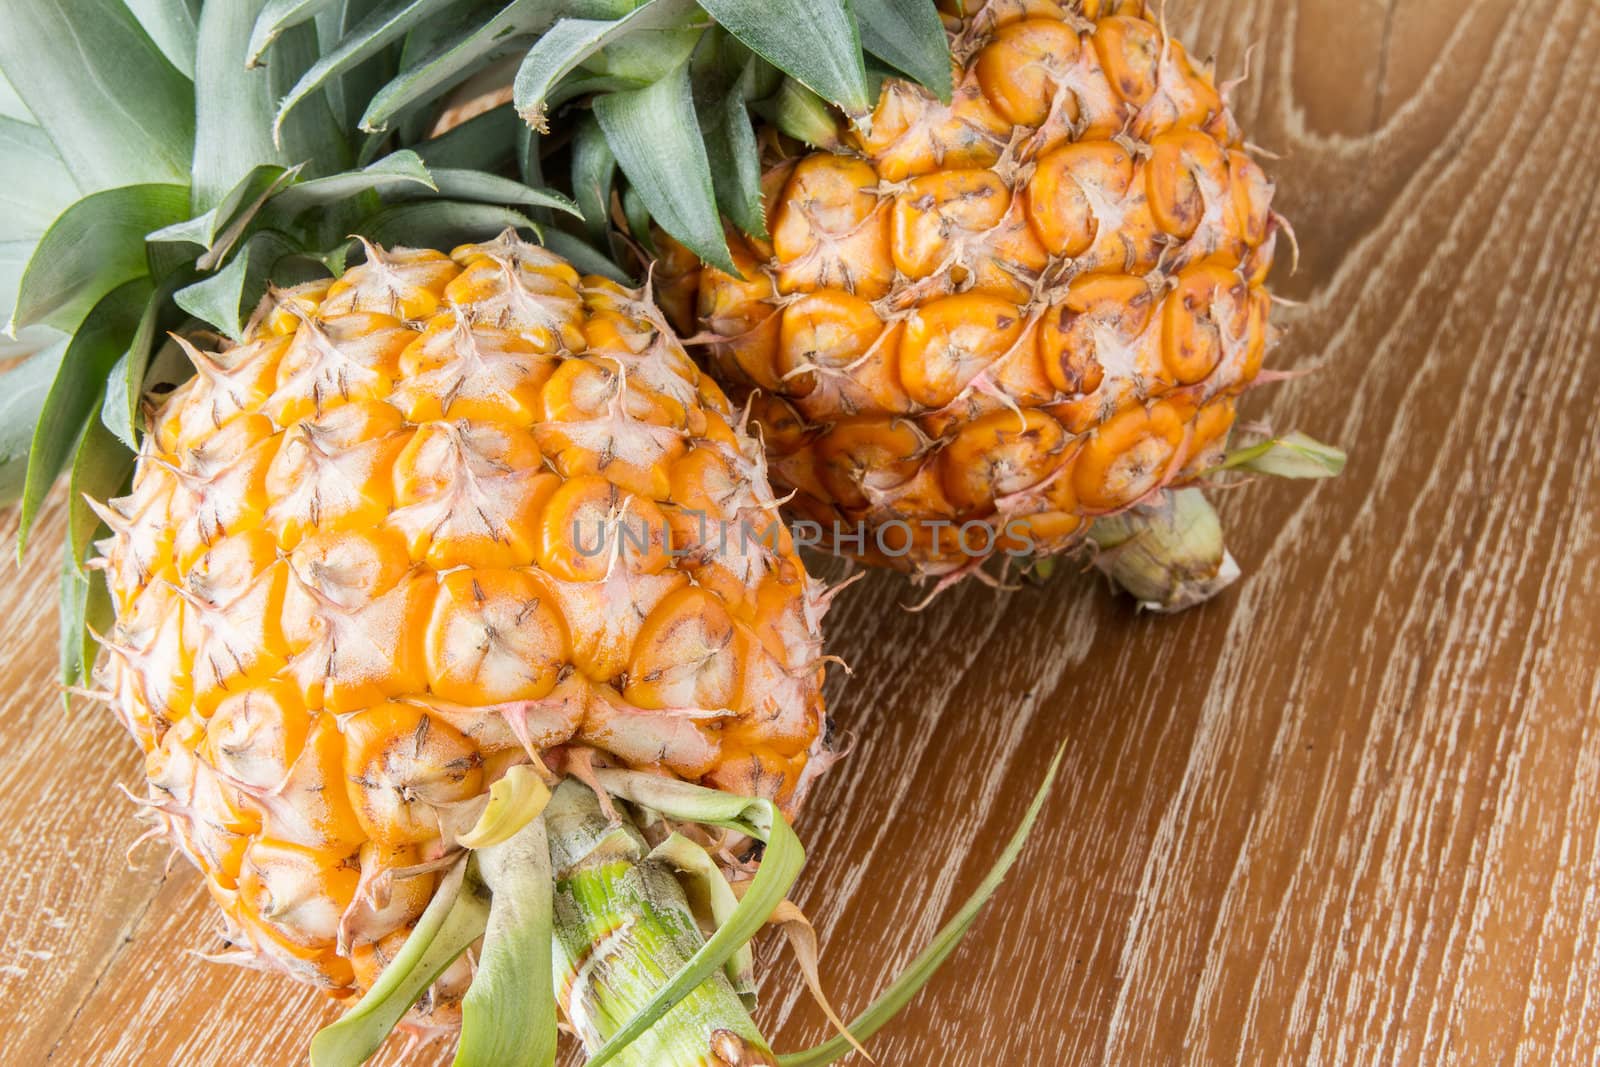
[1168,554]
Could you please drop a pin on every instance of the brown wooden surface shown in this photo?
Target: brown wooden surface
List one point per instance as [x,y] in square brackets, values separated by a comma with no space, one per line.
[1348,814]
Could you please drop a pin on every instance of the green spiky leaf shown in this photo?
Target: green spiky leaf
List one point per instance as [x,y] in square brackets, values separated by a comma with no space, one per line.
[135,127]
[277,16]
[735,161]
[816,43]
[801,114]
[640,57]
[1292,456]
[400,168]
[572,42]
[233,129]
[85,607]
[382,26]
[476,187]
[119,411]
[442,223]
[96,245]
[927,963]
[529,165]
[171,25]
[655,134]
[225,299]
[638,219]
[242,201]
[594,171]
[14,256]
[457,916]
[76,392]
[100,467]
[908,35]
[11,105]
[478,41]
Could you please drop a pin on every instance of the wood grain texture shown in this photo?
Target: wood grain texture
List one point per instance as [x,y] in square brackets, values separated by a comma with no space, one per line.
[1348,814]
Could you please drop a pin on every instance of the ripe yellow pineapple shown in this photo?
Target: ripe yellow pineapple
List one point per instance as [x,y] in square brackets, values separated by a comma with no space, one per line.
[444,516]
[1015,312]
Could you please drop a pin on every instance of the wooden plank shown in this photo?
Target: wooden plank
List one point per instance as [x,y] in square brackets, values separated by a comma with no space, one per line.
[1350,813]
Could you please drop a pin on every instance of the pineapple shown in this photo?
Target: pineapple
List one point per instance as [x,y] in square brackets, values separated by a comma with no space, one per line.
[444,597]
[978,325]
[441,517]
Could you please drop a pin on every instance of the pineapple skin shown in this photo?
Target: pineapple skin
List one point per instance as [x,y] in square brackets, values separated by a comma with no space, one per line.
[349,596]
[1011,314]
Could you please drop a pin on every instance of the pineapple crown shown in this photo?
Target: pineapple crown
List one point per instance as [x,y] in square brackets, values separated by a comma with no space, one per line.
[166,164]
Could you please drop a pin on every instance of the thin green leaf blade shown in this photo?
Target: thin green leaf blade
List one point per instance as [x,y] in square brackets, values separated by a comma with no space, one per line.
[637,215]
[116,109]
[245,198]
[275,17]
[457,916]
[75,393]
[85,609]
[1294,455]
[238,124]
[571,42]
[100,467]
[908,35]
[473,186]
[234,106]
[442,224]
[637,58]
[11,105]
[927,963]
[816,43]
[119,411]
[95,246]
[100,470]
[397,169]
[14,257]
[226,298]
[735,162]
[430,75]
[655,135]
[594,171]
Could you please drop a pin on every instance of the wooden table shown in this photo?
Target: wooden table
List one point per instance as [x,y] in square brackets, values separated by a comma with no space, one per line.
[1348,813]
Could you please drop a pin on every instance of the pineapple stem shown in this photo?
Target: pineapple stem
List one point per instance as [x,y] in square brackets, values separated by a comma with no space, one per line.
[1169,554]
[623,929]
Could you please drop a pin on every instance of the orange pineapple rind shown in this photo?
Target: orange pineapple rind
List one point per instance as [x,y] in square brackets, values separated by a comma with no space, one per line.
[1027,308]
